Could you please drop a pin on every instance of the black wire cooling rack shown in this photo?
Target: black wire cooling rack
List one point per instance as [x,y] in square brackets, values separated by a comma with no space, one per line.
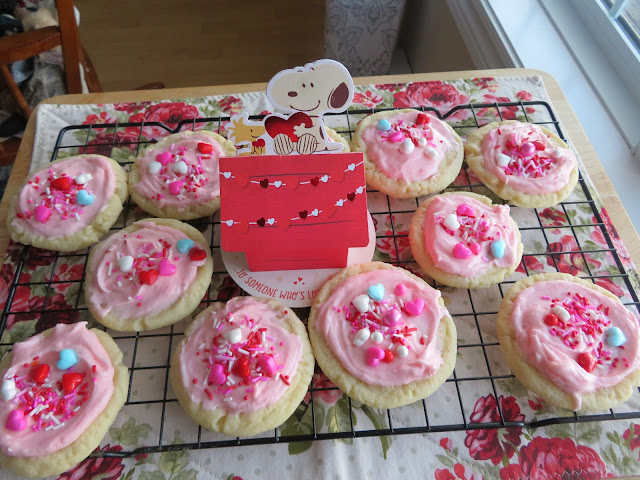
[93,140]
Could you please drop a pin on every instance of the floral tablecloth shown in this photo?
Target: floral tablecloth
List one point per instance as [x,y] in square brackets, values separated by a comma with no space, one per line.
[579,450]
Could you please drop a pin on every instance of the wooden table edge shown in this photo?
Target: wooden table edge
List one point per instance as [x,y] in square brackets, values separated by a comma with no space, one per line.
[564,112]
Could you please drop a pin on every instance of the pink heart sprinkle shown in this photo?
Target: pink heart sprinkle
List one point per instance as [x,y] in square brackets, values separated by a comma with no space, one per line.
[164,158]
[16,421]
[465,209]
[460,251]
[414,308]
[216,375]
[175,187]
[42,213]
[391,317]
[474,247]
[267,365]
[166,268]
[374,355]
[400,289]
[396,136]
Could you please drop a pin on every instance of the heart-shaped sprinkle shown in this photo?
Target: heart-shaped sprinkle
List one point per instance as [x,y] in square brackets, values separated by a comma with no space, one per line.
[351,167]
[42,213]
[67,359]
[388,356]
[38,373]
[497,248]
[184,245]
[261,222]
[180,167]
[377,337]
[271,221]
[226,175]
[164,158]
[551,320]
[241,367]
[466,210]
[303,214]
[384,125]
[264,183]
[451,222]
[391,317]
[351,196]
[267,365]
[422,142]
[154,167]
[205,148]
[395,137]
[16,421]
[324,178]
[85,198]
[229,223]
[474,247]
[503,160]
[125,263]
[315,181]
[362,336]
[9,389]
[148,277]
[400,289]
[402,351]
[314,212]
[562,314]
[197,254]
[586,361]
[376,292]
[83,178]
[233,336]
[422,119]
[407,146]
[216,375]
[61,183]
[374,355]
[414,308]
[339,203]
[539,145]
[166,268]
[615,337]
[461,251]
[361,302]
[175,187]
[71,380]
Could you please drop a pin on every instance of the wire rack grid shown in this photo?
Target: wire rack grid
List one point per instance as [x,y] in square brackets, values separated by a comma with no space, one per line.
[469,309]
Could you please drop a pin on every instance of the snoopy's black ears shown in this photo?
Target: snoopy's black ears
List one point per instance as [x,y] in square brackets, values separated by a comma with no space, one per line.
[339,96]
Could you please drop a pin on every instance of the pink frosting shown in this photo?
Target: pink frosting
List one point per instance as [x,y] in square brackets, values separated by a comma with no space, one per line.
[480,226]
[545,170]
[553,348]
[64,215]
[339,321]
[170,188]
[423,161]
[153,248]
[48,432]
[244,336]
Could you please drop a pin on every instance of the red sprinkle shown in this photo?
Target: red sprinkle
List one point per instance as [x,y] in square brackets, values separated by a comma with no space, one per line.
[586,361]
[209,394]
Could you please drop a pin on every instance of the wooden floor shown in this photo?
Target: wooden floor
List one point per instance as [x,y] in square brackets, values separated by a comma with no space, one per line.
[198,42]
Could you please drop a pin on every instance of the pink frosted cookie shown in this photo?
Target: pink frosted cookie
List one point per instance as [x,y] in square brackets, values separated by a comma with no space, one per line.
[61,390]
[408,153]
[243,367]
[179,177]
[382,335]
[69,204]
[525,164]
[462,240]
[151,274]
[570,341]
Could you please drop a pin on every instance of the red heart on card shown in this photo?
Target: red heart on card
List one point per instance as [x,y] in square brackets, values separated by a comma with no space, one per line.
[71,380]
[315,181]
[264,183]
[148,277]
[303,214]
[276,125]
[258,143]
[261,221]
[241,367]
[196,254]
[39,372]
[61,183]
[205,148]
[351,196]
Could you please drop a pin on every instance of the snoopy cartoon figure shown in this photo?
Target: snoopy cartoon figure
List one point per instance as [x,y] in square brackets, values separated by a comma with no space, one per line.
[309,92]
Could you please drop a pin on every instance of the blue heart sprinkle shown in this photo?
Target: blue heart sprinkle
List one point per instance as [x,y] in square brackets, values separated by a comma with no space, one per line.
[68,359]
[184,245]
[497,248]
[384,125]
[85,198]
[376,292]
[615,337]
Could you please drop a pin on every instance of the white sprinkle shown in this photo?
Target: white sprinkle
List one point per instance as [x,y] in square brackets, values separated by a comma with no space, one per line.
[48,191]
[119,283]
[50,427]
[230,381]
[402,351]
[55,420]
[228,399]
[130,298]
[109,269]
[451,222]
[243,351]
[277,375]
[202,345]
[77,216]
[263,335]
